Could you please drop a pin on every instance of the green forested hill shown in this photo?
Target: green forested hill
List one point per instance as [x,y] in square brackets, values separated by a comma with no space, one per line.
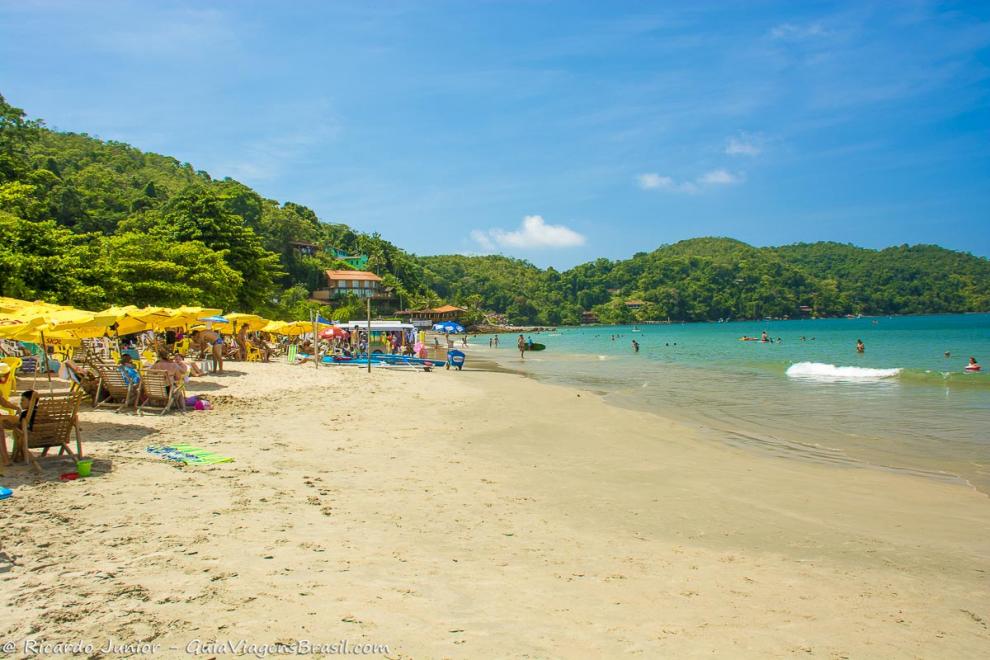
[94,223]
[908,279]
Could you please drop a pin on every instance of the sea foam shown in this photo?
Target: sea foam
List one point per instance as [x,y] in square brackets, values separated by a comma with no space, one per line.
[830,372]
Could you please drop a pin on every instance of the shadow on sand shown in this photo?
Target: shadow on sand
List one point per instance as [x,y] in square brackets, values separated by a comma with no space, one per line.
[53,467]
[203,386]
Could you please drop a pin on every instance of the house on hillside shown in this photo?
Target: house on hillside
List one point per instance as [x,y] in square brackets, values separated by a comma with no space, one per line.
[357,261]
[589,317]
[361,283]
[427,317]
[305,248]
[633,305]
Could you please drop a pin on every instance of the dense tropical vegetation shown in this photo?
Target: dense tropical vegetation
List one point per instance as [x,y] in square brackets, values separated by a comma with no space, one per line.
[94,223]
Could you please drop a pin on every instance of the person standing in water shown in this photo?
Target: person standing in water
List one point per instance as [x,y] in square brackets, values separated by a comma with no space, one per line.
[635,345]
[521,343]
[764,337]
[860,347]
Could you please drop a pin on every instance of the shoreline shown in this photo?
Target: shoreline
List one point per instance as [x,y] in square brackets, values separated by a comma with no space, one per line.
[769,436]
[483,514]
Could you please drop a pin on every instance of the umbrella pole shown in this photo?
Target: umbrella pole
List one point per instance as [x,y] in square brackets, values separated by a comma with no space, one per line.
[369,334]
[44,356]
[313,316]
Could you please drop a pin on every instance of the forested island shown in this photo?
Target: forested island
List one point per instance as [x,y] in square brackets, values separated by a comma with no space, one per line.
[92,223]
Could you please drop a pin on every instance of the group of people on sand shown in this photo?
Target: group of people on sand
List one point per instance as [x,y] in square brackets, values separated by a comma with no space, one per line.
[212,342]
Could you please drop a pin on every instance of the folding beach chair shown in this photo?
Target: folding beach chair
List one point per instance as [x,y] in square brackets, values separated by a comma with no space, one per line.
[119,390]
[49,421]
[291,355]
[160,393]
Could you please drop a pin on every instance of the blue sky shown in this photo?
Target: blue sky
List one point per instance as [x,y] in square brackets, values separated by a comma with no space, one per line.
[553,131]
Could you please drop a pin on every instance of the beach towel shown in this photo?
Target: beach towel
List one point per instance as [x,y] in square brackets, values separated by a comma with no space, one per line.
[188,454]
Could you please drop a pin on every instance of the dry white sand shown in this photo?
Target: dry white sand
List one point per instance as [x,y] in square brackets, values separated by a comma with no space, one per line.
[479,514]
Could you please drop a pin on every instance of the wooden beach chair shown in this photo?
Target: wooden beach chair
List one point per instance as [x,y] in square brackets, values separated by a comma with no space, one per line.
[160,393]
[29,365]
[50,421]
[113,383]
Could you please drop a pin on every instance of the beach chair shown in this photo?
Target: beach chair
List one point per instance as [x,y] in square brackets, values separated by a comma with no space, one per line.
[117,388]
[8,384]
[160,393]
[253,353]
[50,421]
[291,355]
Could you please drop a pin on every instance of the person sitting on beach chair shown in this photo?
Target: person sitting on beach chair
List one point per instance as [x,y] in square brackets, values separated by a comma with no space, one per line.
[166,364]
[305,353]
[189,368]
[14,422]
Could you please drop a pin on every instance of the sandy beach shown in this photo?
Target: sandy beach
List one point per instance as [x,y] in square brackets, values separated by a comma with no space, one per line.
[479,514]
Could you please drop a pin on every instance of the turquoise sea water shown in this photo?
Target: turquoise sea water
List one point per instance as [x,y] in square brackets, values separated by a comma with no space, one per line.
[902,405]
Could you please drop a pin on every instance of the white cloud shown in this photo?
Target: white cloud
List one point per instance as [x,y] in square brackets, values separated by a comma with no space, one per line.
[482,239]
[742,146]
[653,180]
[534,232]
[719,177]
[794,32]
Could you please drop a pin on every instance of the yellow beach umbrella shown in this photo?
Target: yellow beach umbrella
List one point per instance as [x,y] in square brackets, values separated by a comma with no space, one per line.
[288,328]
[9,305]
[185,315]
[236,319]
[126,324]
[275,327]
[48,319]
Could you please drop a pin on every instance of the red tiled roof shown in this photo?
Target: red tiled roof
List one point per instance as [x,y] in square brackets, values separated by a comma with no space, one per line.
[360,275]
[435,310]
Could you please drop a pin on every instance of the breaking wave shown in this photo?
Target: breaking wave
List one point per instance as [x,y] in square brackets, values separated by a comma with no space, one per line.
[832,373]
